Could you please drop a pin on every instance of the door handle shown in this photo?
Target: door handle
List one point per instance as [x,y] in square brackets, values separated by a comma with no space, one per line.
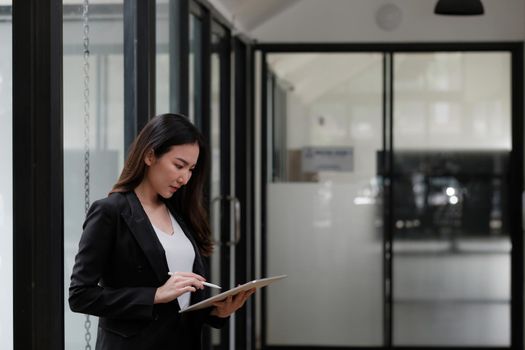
[232,200]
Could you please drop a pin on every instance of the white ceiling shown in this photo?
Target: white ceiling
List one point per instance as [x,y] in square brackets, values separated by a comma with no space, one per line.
[310,76]
[246,15]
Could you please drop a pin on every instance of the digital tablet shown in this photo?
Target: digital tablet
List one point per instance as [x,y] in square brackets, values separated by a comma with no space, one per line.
[247,286]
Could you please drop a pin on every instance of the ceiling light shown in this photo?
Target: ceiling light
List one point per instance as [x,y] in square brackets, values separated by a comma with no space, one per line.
[459,7]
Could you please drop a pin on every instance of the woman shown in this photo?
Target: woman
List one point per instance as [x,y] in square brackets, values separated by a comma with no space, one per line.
[152,225]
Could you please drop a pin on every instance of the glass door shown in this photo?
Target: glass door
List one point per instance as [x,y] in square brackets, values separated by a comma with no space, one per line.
[451,230]
[324,205]
[388,198]
[224,206]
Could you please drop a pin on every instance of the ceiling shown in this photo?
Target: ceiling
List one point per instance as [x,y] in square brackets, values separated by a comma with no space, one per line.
[247,15]
[310,76]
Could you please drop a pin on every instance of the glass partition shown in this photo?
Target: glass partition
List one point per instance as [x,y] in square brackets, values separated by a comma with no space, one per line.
[452,142]
[104,86]
[450,199]
[162,64]
[323,200]
[195,69]
[215,143]
[215,174]
[6,177]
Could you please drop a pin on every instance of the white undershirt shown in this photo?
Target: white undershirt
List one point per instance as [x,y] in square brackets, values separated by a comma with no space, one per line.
[180,254]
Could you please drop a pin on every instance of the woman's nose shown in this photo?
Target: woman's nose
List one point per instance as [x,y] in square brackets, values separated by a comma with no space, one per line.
[184,178]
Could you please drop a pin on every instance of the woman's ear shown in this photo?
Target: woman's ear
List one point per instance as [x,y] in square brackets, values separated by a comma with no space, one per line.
[149,158]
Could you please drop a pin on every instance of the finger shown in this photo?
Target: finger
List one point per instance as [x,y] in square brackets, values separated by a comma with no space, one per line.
[197,283]
[239,299]
[186,289]
[190,275]
[190,281]
[247,295]
[218,304]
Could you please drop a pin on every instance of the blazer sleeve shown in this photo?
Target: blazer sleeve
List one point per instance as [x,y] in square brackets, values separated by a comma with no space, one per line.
[96,245]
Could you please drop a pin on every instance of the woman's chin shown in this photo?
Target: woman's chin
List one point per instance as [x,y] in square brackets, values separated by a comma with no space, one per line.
[167,195]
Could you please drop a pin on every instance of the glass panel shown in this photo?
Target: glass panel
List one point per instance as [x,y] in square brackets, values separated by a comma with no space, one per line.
[6,177]
[106,129]
[323,201]
[215,188]
[195,103]
[162,87]
[452,140]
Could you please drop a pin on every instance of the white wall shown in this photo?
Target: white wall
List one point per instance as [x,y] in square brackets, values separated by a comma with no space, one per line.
[355,21]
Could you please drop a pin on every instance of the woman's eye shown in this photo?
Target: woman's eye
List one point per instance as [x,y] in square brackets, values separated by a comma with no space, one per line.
[178,166]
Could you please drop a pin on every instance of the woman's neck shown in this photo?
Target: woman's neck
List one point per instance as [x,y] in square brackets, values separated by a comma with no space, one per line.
[147,196]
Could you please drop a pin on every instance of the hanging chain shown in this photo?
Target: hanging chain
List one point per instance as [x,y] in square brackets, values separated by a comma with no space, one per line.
[86,105]
[87,322]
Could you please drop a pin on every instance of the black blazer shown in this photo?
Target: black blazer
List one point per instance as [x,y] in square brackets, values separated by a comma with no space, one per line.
[119,265]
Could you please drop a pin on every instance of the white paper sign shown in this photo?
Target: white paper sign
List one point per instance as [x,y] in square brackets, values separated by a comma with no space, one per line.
[314,159]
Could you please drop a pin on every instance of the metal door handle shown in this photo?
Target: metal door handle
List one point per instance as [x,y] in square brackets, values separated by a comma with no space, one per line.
[237,218]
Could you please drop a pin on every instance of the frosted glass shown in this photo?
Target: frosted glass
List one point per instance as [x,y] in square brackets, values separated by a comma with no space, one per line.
[6,184]
[452,97]
[162,67]
[332,252]
[452,137]
[324,226]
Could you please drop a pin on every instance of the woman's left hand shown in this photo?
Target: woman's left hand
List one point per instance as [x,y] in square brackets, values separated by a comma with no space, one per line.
[228,306]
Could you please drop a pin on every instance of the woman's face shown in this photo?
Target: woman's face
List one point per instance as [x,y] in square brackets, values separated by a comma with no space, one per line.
[172,170]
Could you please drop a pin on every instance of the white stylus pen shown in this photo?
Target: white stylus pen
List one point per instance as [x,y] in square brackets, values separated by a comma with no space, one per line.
[211,285]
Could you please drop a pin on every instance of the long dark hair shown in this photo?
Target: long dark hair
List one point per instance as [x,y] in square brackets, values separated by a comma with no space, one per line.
[160,134]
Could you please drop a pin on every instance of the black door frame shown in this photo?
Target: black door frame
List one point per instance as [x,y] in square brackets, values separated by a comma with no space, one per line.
[236,70]
[38,277]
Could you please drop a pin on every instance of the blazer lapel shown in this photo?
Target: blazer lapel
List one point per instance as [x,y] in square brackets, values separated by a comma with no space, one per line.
[141,228]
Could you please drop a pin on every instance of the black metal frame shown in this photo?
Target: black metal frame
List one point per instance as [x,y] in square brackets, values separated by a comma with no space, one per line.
[201,97]
[388,206]
[38,255]
[516,184]
[226,158]
[223,50]
[139,66]
[264,181]
[516,171]
[244,170]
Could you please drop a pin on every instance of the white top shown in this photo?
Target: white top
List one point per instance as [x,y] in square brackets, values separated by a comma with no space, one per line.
[179,254]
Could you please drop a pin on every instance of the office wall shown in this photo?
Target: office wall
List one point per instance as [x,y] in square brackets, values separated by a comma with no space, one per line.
[356,21]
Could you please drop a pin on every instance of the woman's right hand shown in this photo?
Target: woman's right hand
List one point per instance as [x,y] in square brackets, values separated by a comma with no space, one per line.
[178,284]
